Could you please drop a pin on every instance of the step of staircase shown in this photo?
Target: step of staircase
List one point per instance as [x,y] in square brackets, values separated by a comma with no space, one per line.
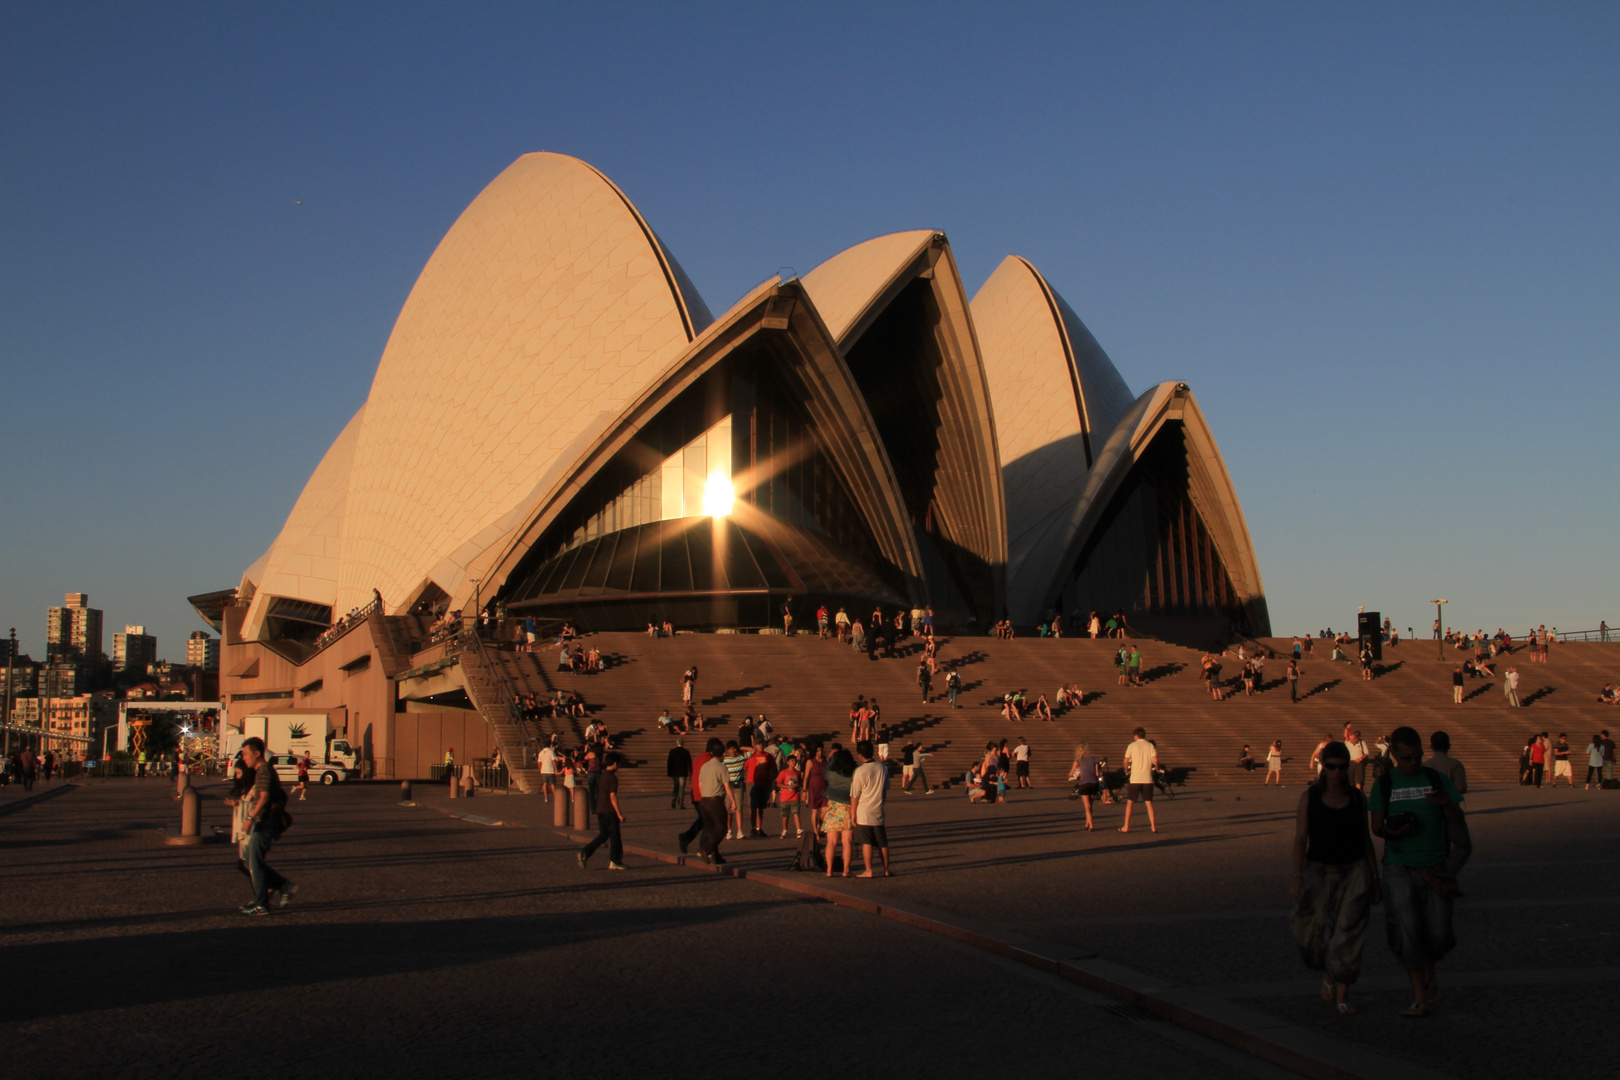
[805,685]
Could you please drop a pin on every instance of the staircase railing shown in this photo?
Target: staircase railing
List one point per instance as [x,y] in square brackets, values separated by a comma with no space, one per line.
[508,699]
[1604,632]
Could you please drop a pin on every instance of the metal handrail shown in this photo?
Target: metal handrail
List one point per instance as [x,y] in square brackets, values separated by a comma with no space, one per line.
[1604,632]
[531,749]
[344,625]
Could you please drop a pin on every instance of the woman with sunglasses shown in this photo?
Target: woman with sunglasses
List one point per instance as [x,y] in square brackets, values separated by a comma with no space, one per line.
[1335,877]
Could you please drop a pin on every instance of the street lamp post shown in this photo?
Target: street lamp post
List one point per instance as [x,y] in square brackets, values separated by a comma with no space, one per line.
[1439,622]
[11,656]
[478,612]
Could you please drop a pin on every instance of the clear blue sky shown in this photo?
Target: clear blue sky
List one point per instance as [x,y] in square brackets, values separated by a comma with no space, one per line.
[1380,241]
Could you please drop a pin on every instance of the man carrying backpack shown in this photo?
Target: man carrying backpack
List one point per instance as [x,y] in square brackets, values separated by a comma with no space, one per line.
[267,819]
[1416,810]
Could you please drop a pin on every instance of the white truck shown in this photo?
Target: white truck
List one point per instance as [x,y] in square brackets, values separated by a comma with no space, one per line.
[293,734]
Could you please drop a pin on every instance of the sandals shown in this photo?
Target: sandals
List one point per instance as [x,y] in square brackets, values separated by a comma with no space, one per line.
[1328,988]
[1346,1009]
[1416,1011]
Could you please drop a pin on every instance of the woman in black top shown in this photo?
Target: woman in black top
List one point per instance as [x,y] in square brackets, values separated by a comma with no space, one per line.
[1335,876]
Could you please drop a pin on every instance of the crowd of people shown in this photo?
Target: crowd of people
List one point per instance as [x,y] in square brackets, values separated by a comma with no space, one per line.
[24,767]
[1541,750]
[829,798]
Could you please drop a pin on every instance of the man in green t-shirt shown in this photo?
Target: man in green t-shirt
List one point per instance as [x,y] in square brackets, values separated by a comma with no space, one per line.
[1426,841]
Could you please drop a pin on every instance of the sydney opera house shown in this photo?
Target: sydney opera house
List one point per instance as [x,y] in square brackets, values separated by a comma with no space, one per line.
[560,426]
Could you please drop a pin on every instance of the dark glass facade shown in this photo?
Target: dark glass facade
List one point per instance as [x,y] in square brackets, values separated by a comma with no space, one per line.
[630,548]
[1152,552]
[900,367]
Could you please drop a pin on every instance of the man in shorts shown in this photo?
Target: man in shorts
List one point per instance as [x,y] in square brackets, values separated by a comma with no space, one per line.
[866,791]
[1020,757]
[548,770]
[1140,761]
[1415,809]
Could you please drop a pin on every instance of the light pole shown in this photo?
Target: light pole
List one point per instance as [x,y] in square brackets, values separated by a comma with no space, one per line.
[478,613]
[1438,622]
[11,656]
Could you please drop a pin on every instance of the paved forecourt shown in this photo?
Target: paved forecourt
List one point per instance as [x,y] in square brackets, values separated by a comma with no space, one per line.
[1203,904]
[424,944]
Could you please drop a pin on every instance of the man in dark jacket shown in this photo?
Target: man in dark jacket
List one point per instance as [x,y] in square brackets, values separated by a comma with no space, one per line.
[679,770]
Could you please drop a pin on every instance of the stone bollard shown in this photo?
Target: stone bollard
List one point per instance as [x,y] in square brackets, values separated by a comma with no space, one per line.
[455,788]
[404,791]
[559,807]
[182,783]
[190,811]
[468,784]
[582,800]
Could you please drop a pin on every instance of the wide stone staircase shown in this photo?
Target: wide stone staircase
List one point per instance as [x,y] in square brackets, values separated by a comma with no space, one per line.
[805,686]
[490,688]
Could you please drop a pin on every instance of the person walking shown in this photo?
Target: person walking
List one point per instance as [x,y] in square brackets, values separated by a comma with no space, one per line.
[302,787]
[1020,762]
[679,770]
[867,791]
[760,772]
[266,819]
[1561,765]
[1538,760]
[925,679]
[609,816]
[1086,775]
[1335,877]
[1594,763]
[953,686]
[837,822]
[1293,676]
[1140,761]
[735,762]
[1416,810]
[1510,686]
[1358,758]
[1457,686]
[1441,761]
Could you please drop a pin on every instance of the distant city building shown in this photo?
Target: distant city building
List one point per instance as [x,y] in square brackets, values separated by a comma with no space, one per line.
[20,677]
[69,723]
[202,651]
[134,649]
[61,678]
[73,631]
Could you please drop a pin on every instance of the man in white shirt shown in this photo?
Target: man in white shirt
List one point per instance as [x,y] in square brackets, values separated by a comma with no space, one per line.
[1140,761]
[1358,755]
[866,790]
[1020,756]
[548,770]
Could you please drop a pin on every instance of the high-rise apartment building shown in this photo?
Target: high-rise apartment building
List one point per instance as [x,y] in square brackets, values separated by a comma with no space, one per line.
[202,651]
[61,678]
[73,631]
[134,649]
[20,677]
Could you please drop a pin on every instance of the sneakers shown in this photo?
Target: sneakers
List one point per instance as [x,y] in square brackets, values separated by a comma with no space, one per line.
[582,857]
[614,866]
[930,791]
[683,842]
[905,791]
[288,891]
[254,909]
